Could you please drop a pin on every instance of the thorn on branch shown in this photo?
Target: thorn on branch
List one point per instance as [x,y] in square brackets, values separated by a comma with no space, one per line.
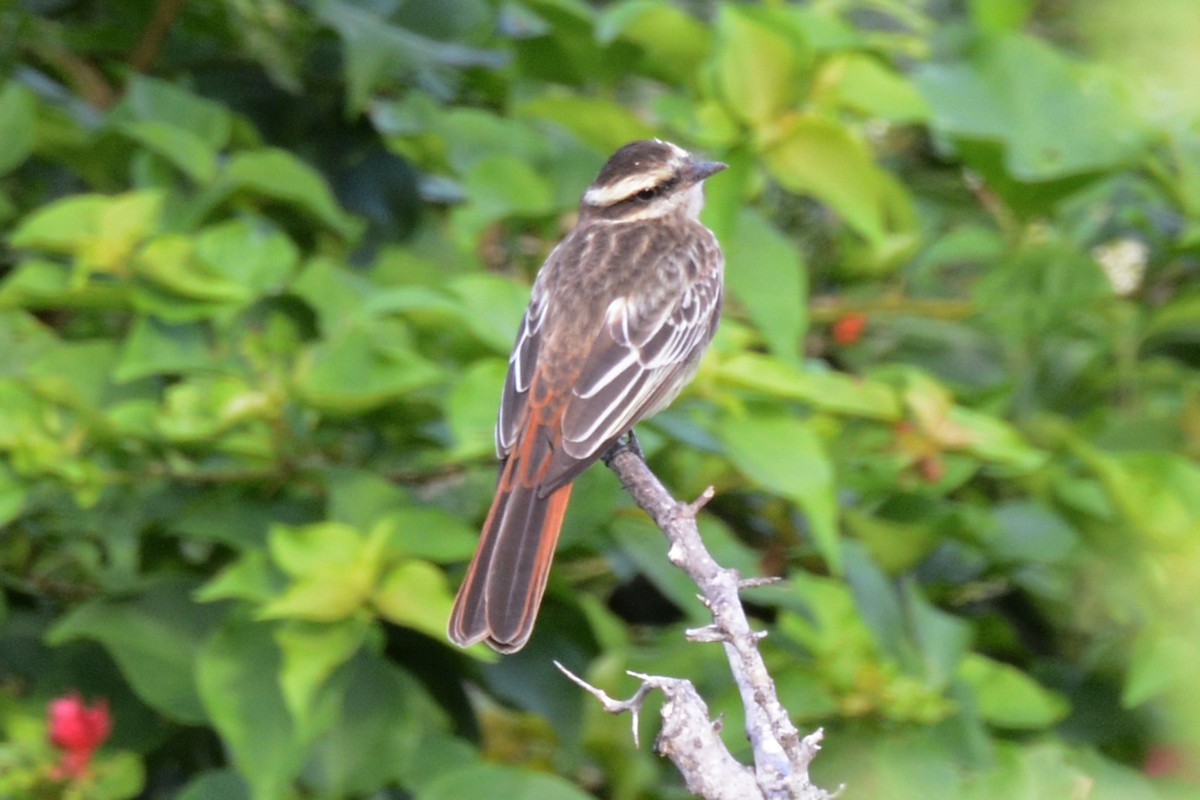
[633,705]
[754,583]
[693,508]
[709,633]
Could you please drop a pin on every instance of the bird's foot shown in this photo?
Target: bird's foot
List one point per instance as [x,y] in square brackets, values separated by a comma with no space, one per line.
[628,442]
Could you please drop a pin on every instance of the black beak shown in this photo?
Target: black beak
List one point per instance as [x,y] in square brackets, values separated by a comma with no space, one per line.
[705,169]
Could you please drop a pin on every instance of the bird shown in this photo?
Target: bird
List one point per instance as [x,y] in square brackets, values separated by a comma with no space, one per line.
[619,316]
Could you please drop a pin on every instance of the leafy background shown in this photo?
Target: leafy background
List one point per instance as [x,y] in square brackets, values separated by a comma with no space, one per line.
[261,265]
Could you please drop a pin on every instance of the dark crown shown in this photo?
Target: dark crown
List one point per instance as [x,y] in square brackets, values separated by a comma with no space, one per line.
[644,170]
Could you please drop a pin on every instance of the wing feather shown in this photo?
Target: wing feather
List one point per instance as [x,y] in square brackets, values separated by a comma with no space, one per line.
[645,350]
[637,363]
[522,363]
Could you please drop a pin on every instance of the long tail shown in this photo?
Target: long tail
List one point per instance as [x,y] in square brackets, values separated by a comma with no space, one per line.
[499,597]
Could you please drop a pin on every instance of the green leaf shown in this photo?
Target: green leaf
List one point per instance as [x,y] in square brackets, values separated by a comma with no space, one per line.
[818,156]
[1008,698]
[149,99]
[992,439]
[1067,282]
[471,408]
[179,146]
[377,52]
[336,294]
[117,777]
[237,670]
[1000,15]
[409,535]
[250,577]
[172,264]
[13,492]
[359,498]
[598,121]
[101,232]
[942,639]
[879,603]
[38,283]
[1022,93]
[954,427]
[153,347]
[1117,781]
[154,637]
[75,373]
[1158,493]
[1176,322]
[385,729]
[279,175]
[473,134]
[492,308]
[206,406]
[1160,662]
[493,780]
[835,392]
[334,568]
[311,653]
[415,594]
[499,187]
[759,71]
[866,85]
[63,225]
[783,455]
[1029,532]
[429,303]
[17,125]
[306,549]
[363,368]
[673,42]
[221,784]
[765,272]
[821,615]
[1049,770]
[248,252]
[896,546]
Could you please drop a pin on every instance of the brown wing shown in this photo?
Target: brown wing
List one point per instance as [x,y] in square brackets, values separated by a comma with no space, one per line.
[638,362]
[644,353]
[522,364]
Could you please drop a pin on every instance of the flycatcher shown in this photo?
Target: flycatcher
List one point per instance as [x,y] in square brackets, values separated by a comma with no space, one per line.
[620,315]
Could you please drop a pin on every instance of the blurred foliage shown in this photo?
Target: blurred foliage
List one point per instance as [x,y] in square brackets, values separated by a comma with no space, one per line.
[261,265]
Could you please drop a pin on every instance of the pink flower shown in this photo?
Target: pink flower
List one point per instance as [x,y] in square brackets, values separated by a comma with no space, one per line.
[78,729]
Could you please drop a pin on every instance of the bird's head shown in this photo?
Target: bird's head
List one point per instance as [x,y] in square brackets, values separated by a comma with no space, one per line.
[648,179]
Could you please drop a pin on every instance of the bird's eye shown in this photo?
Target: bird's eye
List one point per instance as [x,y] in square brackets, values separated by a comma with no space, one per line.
[647,194]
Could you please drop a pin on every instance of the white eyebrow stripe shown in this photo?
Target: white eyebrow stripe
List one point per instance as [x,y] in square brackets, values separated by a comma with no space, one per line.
[679,151]
[626,187]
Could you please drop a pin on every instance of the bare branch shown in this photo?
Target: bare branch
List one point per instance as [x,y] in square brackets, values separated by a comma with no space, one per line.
[689,737]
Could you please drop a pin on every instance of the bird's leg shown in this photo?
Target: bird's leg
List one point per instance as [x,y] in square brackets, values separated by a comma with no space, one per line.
[627,442]
[633,444]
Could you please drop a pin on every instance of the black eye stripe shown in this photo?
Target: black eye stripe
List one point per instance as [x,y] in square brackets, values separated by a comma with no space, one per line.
[652,192]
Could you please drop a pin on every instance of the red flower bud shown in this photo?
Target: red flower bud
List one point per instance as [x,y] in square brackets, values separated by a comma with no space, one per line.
[78,729]
[848,328]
